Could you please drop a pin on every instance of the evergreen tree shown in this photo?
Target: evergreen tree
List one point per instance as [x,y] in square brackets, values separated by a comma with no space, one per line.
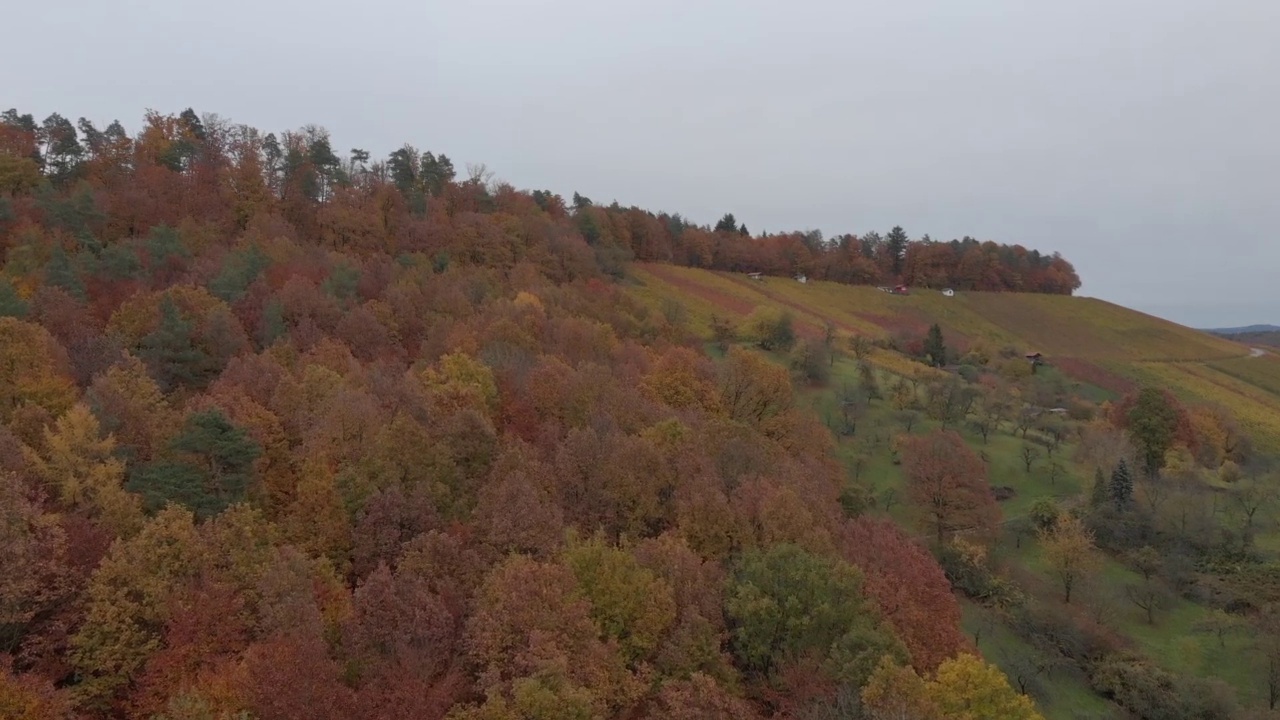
[728,223]
[171,353]
[934,347]
[60,273]
[11,303]
[1121,486]
[210,469]
[1101,490]
[897,241]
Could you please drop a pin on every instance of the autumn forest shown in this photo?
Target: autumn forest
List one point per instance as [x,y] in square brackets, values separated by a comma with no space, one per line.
[287,433]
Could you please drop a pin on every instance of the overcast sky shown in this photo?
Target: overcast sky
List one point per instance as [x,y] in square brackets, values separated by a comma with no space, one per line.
[1140,138]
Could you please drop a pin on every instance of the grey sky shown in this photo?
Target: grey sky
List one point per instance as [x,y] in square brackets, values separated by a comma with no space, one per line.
[1141,138]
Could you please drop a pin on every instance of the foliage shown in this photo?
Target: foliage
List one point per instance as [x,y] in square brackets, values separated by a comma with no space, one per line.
[785,603]
[947,485]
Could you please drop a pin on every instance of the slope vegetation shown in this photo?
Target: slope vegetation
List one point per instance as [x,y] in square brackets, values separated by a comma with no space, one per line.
[1090,340]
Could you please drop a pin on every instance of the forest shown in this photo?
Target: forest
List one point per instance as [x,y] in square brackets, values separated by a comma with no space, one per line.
[289,435]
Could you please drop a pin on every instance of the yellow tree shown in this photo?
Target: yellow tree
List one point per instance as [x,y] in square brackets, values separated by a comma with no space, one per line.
[32,367]
[966,688]
[1069,551]
[127,602]
[79,467]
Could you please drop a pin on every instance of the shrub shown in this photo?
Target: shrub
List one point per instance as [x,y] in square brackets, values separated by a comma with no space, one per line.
[771,328]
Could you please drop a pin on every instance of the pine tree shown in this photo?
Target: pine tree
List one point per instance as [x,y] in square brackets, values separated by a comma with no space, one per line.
[934,347]
[897,241]
[171,353]
[1121,486]
[1101,490]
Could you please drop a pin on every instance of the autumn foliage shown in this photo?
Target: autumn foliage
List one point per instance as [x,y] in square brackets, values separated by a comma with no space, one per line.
[287,434]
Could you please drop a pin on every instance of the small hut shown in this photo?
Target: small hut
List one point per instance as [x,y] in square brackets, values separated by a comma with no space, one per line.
[949,293]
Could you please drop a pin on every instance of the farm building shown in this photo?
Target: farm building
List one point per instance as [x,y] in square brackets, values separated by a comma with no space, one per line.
[949,292]
[802,279]
[755,276]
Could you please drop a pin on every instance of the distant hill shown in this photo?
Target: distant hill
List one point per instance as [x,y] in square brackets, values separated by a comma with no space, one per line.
[1247,329]
[1270,338]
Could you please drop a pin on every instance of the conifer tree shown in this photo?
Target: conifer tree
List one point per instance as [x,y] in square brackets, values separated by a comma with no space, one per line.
[1101,490]
[1121,486]
[934,347]
[171,353]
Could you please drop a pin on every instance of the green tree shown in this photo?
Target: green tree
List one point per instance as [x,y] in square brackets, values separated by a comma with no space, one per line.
[727,224]
[171,352]
[785,603]
[1121,486]
[935,349]
[1101,491]
[630,603]
[11,303]
[771,328]
[896,243]
[210,467]
[1153,425]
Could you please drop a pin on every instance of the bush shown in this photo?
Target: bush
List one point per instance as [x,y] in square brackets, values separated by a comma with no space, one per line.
[1151,693]
[771,328]
[811,362]
[1044,513]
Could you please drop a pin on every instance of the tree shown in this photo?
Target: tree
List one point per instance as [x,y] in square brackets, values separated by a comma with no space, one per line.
[935,350]
[172,353]
[211,466]
[752,389]
[1029,454]
[1150,595]
[1154,420]
[728,224]
[1100,493]
[32,370]
[771,328]
[784,602]
[947,485]
[1146,560]
[909,588]
[127,604]
[1121,487]
[1069,552]
[896,246]
[629,602]
[1220,624]
[810,360]
[80,467]
[968,688]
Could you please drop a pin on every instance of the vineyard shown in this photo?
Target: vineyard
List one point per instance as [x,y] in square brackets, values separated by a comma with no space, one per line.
[1089,340]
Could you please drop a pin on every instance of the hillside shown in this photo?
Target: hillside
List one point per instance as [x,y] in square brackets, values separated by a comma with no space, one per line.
[1089,340]
[286,435]
[1197,551]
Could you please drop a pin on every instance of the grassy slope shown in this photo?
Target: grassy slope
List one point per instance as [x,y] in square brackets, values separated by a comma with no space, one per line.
[1088,338]
[1199,366]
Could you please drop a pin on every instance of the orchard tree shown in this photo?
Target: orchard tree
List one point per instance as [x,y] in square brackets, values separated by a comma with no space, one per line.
[1069,552]
[947,485]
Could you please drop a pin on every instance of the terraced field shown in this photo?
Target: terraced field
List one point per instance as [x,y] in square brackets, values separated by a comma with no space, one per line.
[1088,339]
